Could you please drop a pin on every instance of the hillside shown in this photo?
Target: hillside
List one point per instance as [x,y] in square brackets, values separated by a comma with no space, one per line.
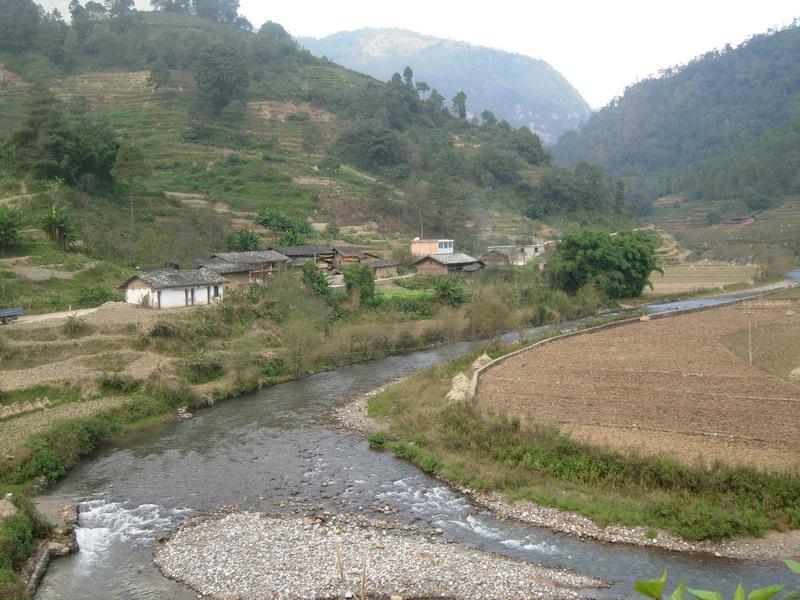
[228,123]
[520,89]
[724,126]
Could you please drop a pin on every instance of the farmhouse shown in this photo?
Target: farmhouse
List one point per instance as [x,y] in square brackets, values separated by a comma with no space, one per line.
[420,247]
[244,268]
[441,264]
[171,288]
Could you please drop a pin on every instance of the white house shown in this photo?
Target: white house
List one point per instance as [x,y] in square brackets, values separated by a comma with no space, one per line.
[171,288]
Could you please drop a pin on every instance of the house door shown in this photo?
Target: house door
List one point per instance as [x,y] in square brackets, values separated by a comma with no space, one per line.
[192,296]
[158,296]
[216,291]
[208,295]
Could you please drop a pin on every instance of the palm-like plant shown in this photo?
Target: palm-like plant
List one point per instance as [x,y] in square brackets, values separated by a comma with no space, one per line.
[59,228]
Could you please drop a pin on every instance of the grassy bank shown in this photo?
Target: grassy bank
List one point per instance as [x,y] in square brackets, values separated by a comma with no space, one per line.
[542,464]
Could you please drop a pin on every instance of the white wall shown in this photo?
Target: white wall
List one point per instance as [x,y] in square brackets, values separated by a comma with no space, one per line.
[171,297]
[136,295]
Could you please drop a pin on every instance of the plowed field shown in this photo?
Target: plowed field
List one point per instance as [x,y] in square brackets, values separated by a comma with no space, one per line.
[681,386]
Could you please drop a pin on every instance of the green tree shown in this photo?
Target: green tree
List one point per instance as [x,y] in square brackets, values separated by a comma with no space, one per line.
[221,77]
[460,105]
[358,278]
[436,101]
[19,20]
[160,77]
[129,168]
[59,228]
[528,145]
[408,76]
[89,154]
[243,240]
[41,141]
[10,221]
[618,265]
[315,280]
[488,118]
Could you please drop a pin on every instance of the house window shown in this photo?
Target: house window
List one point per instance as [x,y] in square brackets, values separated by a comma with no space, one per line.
[216,291]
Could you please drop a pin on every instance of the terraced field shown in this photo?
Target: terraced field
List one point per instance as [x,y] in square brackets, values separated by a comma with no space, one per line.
[680,386]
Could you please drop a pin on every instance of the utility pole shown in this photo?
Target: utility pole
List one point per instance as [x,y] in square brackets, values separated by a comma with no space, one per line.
[750,337]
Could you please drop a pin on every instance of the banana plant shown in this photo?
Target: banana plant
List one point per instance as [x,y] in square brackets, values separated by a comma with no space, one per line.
[654,588]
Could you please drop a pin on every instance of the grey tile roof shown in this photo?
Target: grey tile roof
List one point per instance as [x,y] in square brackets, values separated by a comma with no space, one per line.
[222,266]
[349,251]
[252,256]
[169,278]
[307,250]
[382,262]
[454,258]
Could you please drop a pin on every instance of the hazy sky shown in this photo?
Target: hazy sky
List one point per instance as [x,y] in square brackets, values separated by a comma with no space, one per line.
[600,47]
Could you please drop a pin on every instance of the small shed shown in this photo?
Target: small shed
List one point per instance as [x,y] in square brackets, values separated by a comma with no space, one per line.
[383,268]
[171,288]
[441,264]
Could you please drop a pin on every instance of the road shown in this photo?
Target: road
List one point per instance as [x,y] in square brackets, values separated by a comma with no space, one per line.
[81,312]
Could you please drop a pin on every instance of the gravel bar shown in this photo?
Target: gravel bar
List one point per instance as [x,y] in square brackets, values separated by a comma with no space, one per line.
[250,555]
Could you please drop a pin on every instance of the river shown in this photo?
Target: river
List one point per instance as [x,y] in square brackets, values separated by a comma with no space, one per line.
[276,450]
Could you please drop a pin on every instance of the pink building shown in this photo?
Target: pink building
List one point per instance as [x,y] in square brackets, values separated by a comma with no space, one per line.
[421,247]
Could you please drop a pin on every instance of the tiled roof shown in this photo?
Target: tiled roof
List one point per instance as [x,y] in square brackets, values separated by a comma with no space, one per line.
[454,258]
[222,266]
[382,262]
[349,251]
[169,278]
[307,250]
[252,256]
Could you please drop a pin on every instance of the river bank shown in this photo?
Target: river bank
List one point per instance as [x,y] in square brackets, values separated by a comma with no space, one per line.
[250,556]
[353,417]
[775,545]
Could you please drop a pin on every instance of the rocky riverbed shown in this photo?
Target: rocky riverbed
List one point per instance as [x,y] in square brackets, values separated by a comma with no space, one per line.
[252,555]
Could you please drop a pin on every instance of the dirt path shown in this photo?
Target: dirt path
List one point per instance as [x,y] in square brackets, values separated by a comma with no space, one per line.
[81,312]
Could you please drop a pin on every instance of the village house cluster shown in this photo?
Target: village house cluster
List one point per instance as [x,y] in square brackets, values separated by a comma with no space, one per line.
[211,277]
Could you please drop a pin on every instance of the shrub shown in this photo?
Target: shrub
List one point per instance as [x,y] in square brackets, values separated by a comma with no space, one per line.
[16,535]
[10,222]
[118,382]
[74,326]
[450,291]
[377,440]
[94,296]
[204,369]
[359,278]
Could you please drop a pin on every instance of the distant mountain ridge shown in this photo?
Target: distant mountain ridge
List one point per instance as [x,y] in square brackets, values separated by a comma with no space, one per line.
[726,125]
[520,89]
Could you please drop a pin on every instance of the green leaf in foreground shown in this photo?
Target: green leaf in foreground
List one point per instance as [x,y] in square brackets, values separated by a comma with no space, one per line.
[793,565]
[651,588]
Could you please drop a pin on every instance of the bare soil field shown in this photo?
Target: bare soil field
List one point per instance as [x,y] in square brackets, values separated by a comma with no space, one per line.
[680,386]
[691,277]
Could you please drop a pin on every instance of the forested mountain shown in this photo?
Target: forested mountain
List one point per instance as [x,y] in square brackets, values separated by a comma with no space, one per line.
[158,134]
[522,90]
[726,125]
